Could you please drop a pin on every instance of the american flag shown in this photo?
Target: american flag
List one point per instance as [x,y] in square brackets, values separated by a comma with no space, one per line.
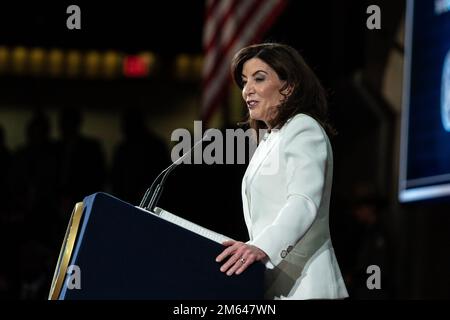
[229,26]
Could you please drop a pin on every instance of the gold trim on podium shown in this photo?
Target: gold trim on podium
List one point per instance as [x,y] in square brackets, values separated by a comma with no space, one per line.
[66,251]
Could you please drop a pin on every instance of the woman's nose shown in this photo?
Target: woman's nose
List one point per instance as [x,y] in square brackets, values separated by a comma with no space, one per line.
[248,89]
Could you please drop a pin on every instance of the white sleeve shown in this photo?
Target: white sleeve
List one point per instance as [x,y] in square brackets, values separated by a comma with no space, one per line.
[304,150]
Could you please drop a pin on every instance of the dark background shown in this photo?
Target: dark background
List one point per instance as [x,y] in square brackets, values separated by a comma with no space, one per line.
[42,179]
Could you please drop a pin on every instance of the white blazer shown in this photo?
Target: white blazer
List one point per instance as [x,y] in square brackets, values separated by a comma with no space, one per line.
[286,196]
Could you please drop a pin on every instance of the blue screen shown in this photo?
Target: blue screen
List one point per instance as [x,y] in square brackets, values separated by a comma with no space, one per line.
[425,154]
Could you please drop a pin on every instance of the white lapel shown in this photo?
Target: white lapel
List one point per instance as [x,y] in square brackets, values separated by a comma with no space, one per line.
[261,154]
[256,161]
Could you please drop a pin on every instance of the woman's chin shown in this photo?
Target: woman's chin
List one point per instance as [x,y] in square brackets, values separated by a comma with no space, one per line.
[254,115]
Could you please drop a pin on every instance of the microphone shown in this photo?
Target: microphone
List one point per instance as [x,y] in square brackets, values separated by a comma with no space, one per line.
[153,193]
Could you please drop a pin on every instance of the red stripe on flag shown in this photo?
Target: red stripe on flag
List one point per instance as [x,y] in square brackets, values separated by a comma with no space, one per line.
[224,51]
[218,44]
[210,7]
[280,6]
[221,24]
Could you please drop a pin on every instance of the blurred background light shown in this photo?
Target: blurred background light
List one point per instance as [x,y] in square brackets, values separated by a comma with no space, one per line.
[73,63]
[4,59]
[19,60]
[135,66]
[37,61]
[55,62]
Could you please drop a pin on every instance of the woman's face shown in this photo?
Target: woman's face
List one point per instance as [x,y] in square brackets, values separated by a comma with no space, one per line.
[261,89]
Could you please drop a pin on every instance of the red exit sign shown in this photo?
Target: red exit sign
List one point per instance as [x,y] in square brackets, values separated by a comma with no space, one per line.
[135,66]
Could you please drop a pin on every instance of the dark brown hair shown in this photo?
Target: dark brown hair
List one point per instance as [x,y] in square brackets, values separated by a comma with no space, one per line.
[307,95]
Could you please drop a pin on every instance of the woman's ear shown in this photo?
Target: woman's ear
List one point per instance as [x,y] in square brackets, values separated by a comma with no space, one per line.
[287,91]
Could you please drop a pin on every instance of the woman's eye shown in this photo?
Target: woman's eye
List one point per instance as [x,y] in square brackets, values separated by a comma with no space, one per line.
[244,83]
[259,79]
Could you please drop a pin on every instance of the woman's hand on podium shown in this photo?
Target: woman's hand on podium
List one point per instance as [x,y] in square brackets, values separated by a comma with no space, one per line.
[241,255]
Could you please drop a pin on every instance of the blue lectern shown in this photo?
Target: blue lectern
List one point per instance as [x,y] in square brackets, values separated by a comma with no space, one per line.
[118,251]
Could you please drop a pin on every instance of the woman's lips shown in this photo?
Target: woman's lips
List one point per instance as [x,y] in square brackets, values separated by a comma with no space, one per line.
[251,104]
